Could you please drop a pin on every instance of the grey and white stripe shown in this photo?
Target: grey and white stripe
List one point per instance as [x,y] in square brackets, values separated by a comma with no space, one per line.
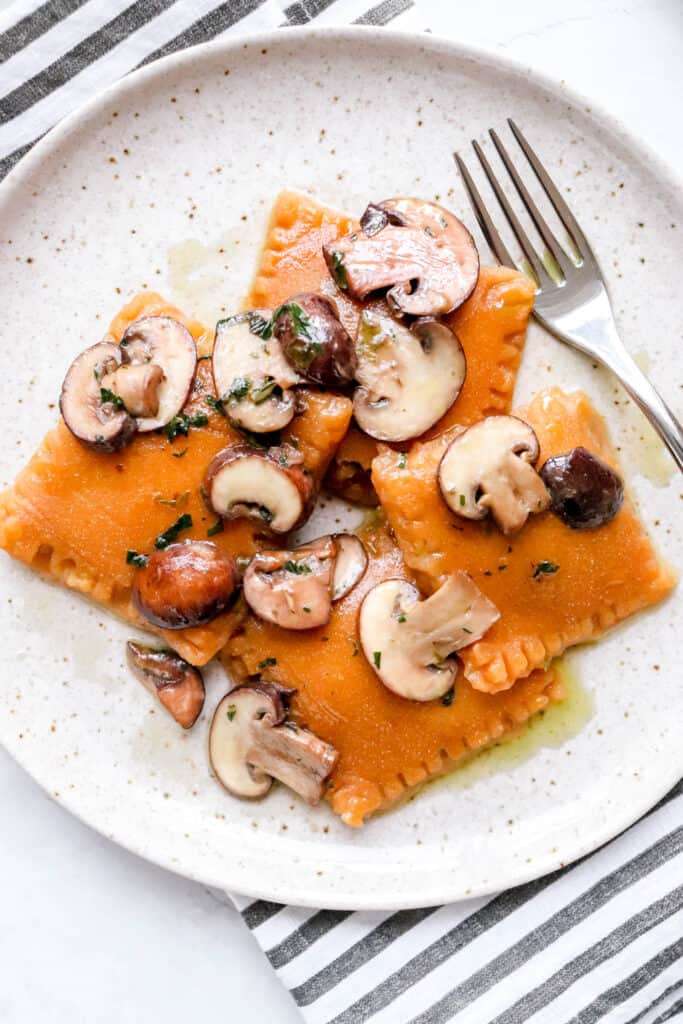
[600,941]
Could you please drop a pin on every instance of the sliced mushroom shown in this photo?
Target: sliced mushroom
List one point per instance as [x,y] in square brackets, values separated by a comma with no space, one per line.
[314,341]
[421,252]
[137,385]
[408,641]
[584,491]
[251,743]
[163,342]
[178,686]
[350,564]
[349,480]
[408,376]
[269,486]
[185,584]
[251,375]
[293,589]
[489,468]
[99,424]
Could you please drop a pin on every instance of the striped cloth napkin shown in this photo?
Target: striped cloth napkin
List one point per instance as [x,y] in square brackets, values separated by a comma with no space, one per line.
[601,940]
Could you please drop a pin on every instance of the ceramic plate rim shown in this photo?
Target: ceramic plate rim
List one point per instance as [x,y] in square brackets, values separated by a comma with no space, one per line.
[314,893]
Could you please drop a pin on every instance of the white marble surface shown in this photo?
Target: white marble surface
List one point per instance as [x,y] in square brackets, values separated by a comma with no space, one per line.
[92,933]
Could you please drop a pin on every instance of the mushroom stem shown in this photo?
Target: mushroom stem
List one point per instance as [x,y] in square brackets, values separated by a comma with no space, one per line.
[296,757]
[177,685]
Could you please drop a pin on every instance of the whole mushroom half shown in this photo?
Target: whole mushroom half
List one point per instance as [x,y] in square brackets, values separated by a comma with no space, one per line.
[251,376]
[489,468]
[408,641]
[424,255]
[584,491]
[295,589]
[314,341]
[96,419]
[178,686]
[159,362]
[408,376]
[251,742]
[185,584]
[269,486]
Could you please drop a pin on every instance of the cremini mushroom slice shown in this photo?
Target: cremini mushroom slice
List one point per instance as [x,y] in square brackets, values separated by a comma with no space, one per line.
[269,486]
[137,385]
[314,341]
[251,376]
[162,342]
[489,468]
[292,589]
[421,252]
[96,417]
[185,584]
[408,376]
[178,686]
[350,564]
[251,743]
[408,641]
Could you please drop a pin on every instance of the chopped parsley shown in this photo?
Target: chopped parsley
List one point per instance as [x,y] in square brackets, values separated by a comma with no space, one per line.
[544,568]
[307,609]
[108,396]
[216,404]
[448,697]
[377,658]
[465,629]
[184,522]
[300,321]
[217,527]
[231,712]
[266,515]
[259,325]
[136,559]
[462,499]
[201,358]
[402,460]
[356,648]
[267,662]
[298,568]
[401,618]
[239,389]
[339,270]
[181,424]
[179,455]
[304,349]
[263,392]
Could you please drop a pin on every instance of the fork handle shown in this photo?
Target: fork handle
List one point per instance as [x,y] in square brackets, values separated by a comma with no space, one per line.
[648,400]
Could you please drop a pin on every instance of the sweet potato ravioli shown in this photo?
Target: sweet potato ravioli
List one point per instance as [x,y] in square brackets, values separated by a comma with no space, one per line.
[377,359]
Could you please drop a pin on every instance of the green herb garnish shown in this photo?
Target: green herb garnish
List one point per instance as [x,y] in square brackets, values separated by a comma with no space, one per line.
[181,424]
[462,499]
[136,559]
[108,396]
[232,711]
[544,568]
[301,323]
[217,527]
[402,460]
[377,658]
[339,270]
[179,455]
[401,618]
[298,568]
[266,514]
[448,697]
[267,662]
[168,536]
[239,389]
[259,325]
[215,403]
[263,392]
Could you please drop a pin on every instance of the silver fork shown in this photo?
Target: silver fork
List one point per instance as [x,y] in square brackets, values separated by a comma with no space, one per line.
[572,302]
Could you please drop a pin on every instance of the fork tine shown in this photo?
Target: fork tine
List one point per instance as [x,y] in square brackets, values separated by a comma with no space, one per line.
[487,226]
[561,209]
[543,228]
[542,276]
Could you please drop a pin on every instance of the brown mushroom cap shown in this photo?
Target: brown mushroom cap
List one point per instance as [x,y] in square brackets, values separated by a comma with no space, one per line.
[251,376]
[251,743]
[163,342]
[422,253]
[314,341]
[408,376]
[101,425]
[185,584]
[178,686]
[293,589]
[269,486]
[489,468]
[408,641]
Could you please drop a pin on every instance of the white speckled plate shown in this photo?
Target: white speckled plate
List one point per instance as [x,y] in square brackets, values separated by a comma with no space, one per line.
[165,181]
